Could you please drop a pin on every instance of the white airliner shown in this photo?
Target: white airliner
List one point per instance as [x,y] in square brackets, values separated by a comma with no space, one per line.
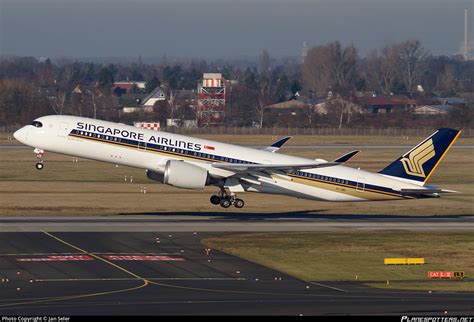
[192,163]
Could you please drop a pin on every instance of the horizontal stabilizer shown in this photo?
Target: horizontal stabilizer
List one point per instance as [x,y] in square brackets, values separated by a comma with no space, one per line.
[346,157]
[277,145]
[424,191]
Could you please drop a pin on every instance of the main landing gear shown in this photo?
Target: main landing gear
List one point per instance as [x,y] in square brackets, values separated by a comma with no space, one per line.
[226,200]
[39,156]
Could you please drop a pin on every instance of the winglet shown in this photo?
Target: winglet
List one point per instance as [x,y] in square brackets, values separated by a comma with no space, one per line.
[277,145]
[346,156]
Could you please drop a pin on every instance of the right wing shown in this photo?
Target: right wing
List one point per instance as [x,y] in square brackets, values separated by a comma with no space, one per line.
[272,167]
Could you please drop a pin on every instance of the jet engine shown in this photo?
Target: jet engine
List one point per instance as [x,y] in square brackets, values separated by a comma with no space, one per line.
[182,175]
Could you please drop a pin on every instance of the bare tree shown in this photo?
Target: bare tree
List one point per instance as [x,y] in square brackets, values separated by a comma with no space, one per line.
[446,80]
[343,65]
[310,112]
[412,56]
[88,101]
[337,108]
[263,97]
[315,70]
[58,102]
[264,85]
[95,95]
[382,68]
[330,67]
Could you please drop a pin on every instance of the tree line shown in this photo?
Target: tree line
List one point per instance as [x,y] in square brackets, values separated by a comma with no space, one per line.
[30,87]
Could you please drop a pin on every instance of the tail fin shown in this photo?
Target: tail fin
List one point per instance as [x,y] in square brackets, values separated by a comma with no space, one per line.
[420,162]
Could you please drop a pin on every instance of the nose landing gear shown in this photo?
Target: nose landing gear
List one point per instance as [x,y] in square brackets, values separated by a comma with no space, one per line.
[225,200]
[39,156]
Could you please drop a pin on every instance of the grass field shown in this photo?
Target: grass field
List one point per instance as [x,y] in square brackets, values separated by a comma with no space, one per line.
[359,256]
[90,188]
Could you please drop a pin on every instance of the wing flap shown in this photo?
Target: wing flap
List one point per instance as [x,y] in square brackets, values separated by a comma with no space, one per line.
[272,167]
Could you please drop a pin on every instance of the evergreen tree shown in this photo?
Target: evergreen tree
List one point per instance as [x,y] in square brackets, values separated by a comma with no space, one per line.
[152,84]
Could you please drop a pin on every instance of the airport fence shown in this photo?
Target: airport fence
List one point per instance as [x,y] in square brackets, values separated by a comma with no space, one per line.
[396,132]
[400,132]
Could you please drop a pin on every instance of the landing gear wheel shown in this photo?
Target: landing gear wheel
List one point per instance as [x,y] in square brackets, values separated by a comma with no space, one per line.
[239,203]
[39,156]
[225,203]
[215,200]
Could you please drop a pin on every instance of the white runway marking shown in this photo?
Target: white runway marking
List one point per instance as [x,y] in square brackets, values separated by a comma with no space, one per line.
[72,254]
[147,278]
[330,287]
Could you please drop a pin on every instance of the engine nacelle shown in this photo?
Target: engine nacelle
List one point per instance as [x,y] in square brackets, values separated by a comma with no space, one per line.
[153,175]
[185,175]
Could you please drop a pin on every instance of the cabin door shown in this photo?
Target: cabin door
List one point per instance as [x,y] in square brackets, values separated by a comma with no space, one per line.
[360,184]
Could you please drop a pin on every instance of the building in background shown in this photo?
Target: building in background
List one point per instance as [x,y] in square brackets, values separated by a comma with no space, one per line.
[126,87]
[139,102]
[155,96]
[211,100]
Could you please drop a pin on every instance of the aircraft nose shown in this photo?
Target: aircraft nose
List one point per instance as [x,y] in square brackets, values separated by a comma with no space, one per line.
[21,135]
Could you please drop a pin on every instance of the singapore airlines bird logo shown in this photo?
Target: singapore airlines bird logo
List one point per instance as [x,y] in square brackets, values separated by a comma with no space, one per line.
[413,163]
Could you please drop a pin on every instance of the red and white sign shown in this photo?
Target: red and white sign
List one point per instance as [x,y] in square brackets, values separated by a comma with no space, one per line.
[142,258]
[208,147]
[148,126]
[441,274]
[56,259]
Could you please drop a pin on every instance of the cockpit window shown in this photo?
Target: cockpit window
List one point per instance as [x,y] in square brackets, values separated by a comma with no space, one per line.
[37,124]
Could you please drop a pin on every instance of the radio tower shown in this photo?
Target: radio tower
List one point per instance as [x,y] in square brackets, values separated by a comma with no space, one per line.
[466,46]
[211,100]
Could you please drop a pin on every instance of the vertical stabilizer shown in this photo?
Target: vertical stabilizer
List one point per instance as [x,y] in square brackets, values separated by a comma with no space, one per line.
[419,163]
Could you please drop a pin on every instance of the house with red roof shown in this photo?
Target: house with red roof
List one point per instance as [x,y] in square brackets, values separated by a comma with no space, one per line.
[384,104]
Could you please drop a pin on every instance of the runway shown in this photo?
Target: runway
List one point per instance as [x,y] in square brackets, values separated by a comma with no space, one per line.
[235,222]
[152,273]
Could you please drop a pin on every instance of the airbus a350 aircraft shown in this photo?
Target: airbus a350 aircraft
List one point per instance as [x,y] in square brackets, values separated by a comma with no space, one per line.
[191,163]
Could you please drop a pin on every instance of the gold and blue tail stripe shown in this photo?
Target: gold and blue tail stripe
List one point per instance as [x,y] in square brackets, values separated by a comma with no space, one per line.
[419,163]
